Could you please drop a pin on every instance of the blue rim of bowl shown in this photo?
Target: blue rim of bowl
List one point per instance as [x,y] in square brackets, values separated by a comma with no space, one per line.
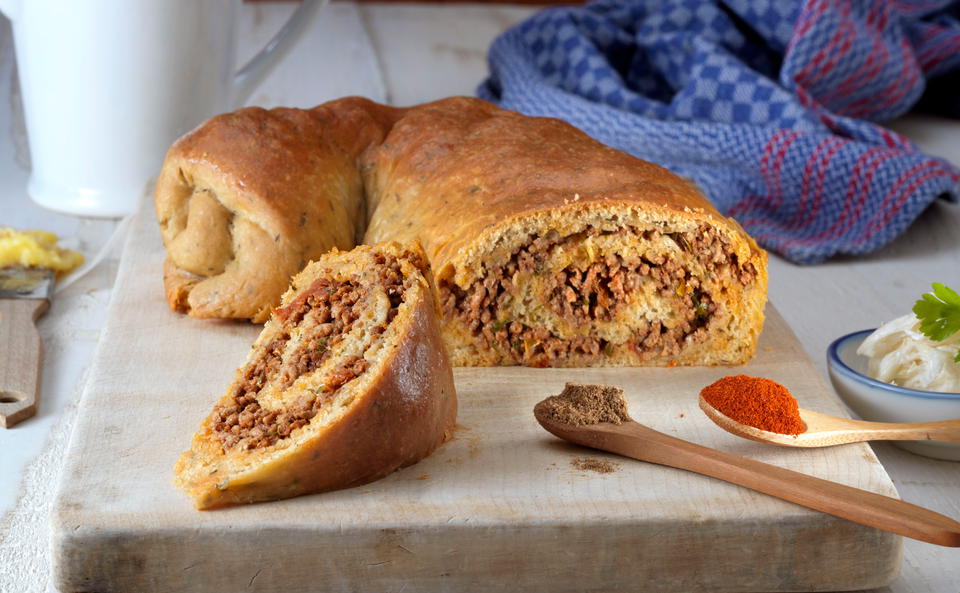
[833,357]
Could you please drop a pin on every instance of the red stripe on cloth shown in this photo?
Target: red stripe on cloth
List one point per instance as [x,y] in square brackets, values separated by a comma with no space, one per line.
[847,42]
[882,61]
[950,48]
[829,120]
[842,36]
[828,52]
[875,12]
[900,88]
[901,201]
[883,17]
[894,140]
[814,160]
[745,203]
[819,160]
[867,72]
[893,92]
[808,16]
[768,151]
[805,99]
[876,222]
[814,209]
[876,157]
[748,202]
[777,171]
[931,36]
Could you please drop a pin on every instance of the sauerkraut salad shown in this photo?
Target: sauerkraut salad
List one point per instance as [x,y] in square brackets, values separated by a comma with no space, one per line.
[920,351]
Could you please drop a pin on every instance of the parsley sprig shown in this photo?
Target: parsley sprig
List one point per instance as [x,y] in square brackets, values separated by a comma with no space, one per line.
[939,314]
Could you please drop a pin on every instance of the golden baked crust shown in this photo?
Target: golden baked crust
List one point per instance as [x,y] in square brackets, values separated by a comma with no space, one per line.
[391,415]
[550,249]
[248,198]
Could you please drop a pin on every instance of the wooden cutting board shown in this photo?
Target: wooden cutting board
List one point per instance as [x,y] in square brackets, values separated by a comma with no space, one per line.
[503,506]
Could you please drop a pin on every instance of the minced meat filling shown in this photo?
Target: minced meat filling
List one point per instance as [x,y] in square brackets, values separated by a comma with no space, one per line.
[322,315]
[596,293]
[600,292]
[323,318]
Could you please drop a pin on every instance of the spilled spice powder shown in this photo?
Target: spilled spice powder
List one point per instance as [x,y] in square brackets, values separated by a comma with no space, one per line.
[757,402]
[581,405]
[601,466]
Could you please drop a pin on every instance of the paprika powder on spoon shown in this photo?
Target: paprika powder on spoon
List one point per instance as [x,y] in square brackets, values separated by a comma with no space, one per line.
[757,402]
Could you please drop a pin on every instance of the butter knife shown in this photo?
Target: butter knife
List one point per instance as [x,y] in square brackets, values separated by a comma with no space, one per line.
[24,297]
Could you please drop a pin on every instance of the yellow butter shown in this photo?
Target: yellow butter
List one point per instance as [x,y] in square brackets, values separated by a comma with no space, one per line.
[35,249]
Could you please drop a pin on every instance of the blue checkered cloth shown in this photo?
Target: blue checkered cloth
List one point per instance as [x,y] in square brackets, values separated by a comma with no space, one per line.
[768,104]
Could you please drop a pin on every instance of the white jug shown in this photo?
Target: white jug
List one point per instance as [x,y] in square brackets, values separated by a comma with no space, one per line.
[108,85]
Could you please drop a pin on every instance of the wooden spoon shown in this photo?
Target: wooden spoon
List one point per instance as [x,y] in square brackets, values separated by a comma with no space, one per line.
[824,430]
[634,440]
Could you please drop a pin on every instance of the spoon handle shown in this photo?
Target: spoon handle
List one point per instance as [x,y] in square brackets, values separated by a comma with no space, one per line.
[941,430]
[889,514]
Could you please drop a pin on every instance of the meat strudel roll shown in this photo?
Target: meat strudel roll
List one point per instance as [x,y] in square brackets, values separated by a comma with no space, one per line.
[552,249]
[248,198]
[348,381]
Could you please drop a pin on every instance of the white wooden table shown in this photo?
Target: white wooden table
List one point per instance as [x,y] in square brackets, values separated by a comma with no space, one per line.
[407,54]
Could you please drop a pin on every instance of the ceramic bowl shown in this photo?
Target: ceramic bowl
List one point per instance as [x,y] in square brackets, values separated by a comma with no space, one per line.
[882,402]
